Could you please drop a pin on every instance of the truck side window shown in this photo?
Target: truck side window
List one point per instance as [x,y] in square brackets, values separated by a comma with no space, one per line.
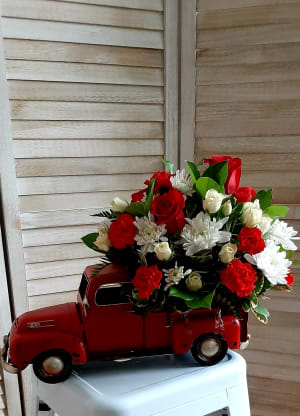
[112,294]
[83,286]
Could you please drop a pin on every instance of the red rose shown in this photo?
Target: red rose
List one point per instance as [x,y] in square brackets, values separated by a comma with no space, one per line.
[138,196]
[162,182]
[168,209]
[122,231]
[145,279]
[251,241]
[234,171]
[239,278]
[290,279]
[244,194]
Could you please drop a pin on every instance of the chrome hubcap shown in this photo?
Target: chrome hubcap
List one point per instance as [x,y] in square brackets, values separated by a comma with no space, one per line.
[209,347]
[53,365]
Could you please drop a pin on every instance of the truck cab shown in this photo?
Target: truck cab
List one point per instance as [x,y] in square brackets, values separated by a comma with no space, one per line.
[103,324]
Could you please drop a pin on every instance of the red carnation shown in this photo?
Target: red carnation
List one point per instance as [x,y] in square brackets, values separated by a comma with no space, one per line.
[244,194]
[239,278]
[162,182]
[138,196]
[234,171]
[168,209]
[251,241]
[122,231]
[290,280]
[145,279]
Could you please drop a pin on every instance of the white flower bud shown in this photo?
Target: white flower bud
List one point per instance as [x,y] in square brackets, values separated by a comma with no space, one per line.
[102,241]
[119,204]
[251,214]
[163,251]
[194,282]
[227,253]
[213,201]
[265,223]
[227,208]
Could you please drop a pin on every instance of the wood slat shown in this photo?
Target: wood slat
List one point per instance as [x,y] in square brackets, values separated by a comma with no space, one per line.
[49,110]
[86,73]
[53,285]
[105,93]
[58,252]
[255,92]
[271,14]
[81,13]
[85,148]
[81,33]
[248,54]
[250,35]
[86,129]
[228,4]
[56,202]
[131,4]
[36,50]
[42,301]
[246,73]
[87,166]
[56,268]
[59,235]
[270,179]
[70,184]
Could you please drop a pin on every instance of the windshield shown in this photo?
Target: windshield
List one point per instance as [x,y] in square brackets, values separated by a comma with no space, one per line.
[83,286]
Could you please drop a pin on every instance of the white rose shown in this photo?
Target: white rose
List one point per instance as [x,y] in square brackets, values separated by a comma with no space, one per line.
[163,251]
[119,204]
[194,282]
[251,214]
[213,201]
[227,253]
[227,208]
[102,241]
[265,223]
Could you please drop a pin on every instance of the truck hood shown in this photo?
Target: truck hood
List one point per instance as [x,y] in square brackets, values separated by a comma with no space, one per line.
[57,317]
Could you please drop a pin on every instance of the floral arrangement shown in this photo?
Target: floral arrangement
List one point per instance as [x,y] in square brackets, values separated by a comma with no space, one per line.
[197,239]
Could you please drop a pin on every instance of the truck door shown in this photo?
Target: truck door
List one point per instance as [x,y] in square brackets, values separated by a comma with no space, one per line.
[158,327]
[110,323]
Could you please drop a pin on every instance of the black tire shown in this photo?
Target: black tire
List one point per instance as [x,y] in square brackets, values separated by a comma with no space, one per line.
[55,371]
[209,349]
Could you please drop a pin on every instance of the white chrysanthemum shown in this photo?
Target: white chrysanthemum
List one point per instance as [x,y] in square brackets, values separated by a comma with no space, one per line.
[149,233]
[182,182]
[202,233]
[173,276]
[281,233]
[272,262]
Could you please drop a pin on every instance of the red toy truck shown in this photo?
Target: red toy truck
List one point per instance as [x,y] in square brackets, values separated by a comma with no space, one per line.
[102,325]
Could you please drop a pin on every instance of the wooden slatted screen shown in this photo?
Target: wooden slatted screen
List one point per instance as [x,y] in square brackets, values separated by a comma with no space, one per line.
[247,105]
[86,89]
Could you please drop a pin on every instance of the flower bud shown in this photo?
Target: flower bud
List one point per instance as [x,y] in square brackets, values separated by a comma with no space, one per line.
[119,204]
[265,223]
[163,251]
[251,214]
[227,253]
[194,282]
[102,241]
[227,208]
[213,201]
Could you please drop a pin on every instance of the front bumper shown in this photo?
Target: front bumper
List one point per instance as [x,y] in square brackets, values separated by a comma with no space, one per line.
[5,361]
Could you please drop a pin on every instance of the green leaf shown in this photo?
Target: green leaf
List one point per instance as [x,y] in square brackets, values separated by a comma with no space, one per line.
[89,240]
[246,305]
[296,262]
[259,285]
[288,253]
[204,184]
[193,170]
[261,313]
[264,197]
[267,285]
[275,211]
[218,172]
[170,166]
[181,294]
[137,209]
[204,302]
[149,196]
[253,299]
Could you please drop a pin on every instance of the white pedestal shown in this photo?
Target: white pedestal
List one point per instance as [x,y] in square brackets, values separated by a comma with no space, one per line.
[166,386]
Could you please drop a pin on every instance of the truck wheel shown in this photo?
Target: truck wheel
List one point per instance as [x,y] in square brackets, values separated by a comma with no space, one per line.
[52,366]
[209,349]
